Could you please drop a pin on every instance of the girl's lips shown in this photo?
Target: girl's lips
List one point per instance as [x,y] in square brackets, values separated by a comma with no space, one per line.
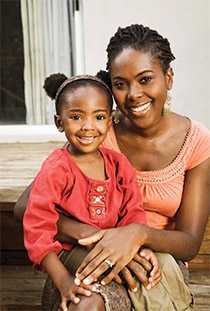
[86,140]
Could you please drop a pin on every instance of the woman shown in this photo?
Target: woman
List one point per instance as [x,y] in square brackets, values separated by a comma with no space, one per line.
[171,154]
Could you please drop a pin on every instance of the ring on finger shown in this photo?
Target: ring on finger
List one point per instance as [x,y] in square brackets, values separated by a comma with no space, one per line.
[109,263]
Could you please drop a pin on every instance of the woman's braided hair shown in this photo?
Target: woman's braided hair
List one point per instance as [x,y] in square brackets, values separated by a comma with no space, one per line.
[141,38]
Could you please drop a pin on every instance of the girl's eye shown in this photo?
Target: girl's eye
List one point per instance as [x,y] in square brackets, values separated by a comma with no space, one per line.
[100,117]
[75,117]
[145,80]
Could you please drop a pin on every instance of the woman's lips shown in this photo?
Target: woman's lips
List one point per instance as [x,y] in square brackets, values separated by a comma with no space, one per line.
[140,109]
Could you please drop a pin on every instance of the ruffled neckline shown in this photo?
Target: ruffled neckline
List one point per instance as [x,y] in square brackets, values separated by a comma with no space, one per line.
[174,168]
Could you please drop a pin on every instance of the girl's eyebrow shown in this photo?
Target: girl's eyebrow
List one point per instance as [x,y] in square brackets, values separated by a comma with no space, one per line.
[95,111]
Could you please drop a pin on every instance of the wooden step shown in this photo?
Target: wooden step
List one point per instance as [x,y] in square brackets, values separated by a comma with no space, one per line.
[21,288]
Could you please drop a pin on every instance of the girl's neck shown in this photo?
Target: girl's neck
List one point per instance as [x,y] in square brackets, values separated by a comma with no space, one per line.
[83,157]
[91,164]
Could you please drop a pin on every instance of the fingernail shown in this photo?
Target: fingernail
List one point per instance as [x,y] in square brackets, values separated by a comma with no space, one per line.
[88,281]
[77,281]
[95,287]
[134,289]
[76,300]
[149,286]
[88,293]
[103,283]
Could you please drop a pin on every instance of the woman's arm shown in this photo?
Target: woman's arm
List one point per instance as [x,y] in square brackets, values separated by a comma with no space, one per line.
[191,219]
[21,203]
[183,243]
[71,230]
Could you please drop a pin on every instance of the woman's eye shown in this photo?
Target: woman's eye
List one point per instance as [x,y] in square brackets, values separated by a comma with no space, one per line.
[100,117]
[119,85]
[145,80]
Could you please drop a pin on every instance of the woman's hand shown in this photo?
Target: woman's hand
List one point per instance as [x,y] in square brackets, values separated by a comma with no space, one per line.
[115,248]
[145,267]
[155,273]
[140,268]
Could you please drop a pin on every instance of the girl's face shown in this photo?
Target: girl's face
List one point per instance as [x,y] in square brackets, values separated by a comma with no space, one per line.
[140,86]
[85,118]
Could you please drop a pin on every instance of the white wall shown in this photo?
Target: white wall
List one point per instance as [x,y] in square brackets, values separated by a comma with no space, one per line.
[184,22]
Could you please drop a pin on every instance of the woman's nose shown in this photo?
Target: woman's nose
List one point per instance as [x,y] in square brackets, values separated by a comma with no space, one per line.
[135,91]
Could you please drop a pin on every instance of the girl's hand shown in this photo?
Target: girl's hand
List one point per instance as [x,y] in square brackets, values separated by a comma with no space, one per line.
[116,247]
[69,291]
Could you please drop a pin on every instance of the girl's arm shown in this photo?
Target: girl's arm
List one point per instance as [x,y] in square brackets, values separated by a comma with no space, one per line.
[63,280]
[69,230]
[119,245]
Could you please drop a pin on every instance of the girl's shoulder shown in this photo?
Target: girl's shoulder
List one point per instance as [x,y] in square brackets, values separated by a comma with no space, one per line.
[56,160]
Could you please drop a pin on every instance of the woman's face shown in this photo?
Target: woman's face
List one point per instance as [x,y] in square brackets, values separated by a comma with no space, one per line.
[140,86]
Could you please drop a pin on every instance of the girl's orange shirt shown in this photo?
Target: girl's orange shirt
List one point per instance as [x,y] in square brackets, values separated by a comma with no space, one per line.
[161,190]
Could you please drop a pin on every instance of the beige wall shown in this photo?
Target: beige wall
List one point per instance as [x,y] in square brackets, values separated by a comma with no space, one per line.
[184,22]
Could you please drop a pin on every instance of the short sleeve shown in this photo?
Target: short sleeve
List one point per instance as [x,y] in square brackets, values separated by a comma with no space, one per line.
[200,146]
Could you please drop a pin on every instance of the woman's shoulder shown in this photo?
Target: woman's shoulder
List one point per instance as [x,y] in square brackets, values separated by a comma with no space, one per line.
[201,129]
[197,144]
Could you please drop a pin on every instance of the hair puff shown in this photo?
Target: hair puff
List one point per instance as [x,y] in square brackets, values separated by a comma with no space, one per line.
[52,83]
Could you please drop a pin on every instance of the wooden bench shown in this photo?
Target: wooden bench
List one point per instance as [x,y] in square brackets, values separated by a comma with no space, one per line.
[21,286]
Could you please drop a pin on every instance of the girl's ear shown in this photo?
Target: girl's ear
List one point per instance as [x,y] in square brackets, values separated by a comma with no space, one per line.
[169,78]
[58,122]
[110,120]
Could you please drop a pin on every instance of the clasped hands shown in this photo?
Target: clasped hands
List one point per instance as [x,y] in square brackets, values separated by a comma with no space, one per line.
[116,256]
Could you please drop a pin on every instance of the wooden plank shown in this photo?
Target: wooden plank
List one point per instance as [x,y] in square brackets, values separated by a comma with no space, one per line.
[20,308]
[19,164]
[200,262]
[23,285]
[20,272]
[18,298]
[27,297]
[200,277]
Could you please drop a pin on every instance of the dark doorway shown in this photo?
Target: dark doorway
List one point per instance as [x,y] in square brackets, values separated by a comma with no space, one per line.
[12,103]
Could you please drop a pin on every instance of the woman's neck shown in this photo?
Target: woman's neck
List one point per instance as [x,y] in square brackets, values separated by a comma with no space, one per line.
[151,132]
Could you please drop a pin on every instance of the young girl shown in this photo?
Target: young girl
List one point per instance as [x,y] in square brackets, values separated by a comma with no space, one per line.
[90,183]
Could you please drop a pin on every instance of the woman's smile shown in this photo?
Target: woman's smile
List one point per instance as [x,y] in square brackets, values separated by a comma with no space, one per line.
[140,109]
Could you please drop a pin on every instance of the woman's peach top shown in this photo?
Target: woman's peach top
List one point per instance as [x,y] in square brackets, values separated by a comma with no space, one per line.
[162,189]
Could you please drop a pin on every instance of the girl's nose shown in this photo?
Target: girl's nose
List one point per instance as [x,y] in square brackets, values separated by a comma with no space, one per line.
[88,124]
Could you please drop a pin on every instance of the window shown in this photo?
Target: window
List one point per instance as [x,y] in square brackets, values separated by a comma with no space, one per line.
[12,102]
[35,44]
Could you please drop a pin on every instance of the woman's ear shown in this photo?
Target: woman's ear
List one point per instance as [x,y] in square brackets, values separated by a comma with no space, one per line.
[58,122]
[169,78]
